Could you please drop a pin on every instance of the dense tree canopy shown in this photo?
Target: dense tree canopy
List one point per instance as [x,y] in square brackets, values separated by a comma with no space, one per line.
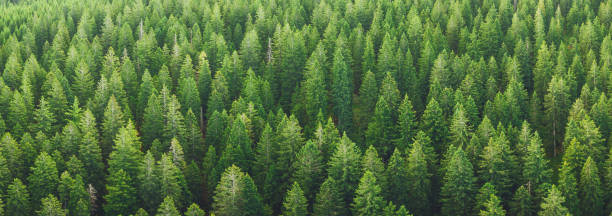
[306,107]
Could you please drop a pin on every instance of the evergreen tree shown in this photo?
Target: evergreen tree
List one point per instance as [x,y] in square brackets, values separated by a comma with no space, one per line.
[44,178]
[341,91]
[172,182]
[406,124]
[309,170]
[368,199]
[344,166]
[72,191]
[235,194]
[329,200]
[419,182]
[397,173]
[194,210]
[18,199]
[553,203]
[458,187]
[149,187]
[434,125]
[498,164]
[295,203]
[51,206]
[493,207]
[557,104]
[167,208]
[381,129]
[121,197]
[113,120]
[535,168]
[590,189]
[522,203]
[568,186]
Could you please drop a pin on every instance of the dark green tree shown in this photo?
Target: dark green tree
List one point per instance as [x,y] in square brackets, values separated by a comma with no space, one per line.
[590,189]
[295,203]
[44,178]
[553,203]
[18,199]
[368,198]
[458,187]
[51,206]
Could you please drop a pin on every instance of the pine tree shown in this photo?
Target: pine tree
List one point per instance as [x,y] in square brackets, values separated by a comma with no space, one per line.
[72,191]
[295,203]
[51,206]
[174,124]
[535,168]
[419,182]
[373,163]
[460,127]
[381,128]
[498,164]
[341,91]
[329,200]
[397,174]
[113,120]
[368,96]
[43,117]
[553,203]
[568,186]
[309,170]
[314,86]
[90,152]
[193,143]
[172,181]
[290,141]
[458,187]
[44,177]
[121,197]
[18,199]
[250,51]
[590,189]
[194,210]
[368,198]
[204,81]
[434,125]
[557,104]
[344,166]
[149,187]
[406,124]
[493,207]
[167,208]
[234,194]
[522,203]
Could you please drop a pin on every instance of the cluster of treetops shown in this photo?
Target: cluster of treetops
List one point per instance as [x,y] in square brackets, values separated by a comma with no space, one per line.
[306,107]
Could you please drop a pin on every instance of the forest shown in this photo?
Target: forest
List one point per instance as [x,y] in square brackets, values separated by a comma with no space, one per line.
[306,107]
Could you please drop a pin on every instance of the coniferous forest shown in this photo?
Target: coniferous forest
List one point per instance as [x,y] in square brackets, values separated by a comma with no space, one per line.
[306,107]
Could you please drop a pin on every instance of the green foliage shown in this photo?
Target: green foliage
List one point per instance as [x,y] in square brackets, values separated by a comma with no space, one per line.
[458,187]
[295,203]
[368,199]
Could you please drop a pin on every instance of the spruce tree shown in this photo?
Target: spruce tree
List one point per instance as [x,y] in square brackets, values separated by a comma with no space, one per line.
[167,208]
[344,166]
[458,187]
[295,203]
[44,178]
[341,91]
[18,199]
[553,204]
[309,170]
[419,182]
[51,206]
[329,200]
[591,200]
[368,198]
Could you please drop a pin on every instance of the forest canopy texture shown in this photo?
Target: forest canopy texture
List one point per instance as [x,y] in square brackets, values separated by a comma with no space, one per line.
[306,107]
